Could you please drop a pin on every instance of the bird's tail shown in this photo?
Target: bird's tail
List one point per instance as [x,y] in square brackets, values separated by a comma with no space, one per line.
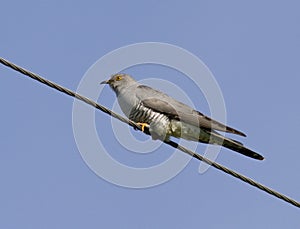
[236,146]
[193,133]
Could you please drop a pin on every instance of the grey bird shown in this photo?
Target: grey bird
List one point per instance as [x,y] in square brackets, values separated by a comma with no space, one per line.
[166,117]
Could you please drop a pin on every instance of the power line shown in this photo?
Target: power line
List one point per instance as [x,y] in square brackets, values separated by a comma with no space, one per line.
[137,126]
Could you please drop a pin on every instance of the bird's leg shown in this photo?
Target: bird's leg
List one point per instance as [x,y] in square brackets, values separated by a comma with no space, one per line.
[143,125]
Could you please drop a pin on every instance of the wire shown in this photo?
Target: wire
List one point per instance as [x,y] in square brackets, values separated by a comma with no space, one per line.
[137,126]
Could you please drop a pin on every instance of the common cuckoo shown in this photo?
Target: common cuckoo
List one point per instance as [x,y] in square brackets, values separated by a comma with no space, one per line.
[166,117]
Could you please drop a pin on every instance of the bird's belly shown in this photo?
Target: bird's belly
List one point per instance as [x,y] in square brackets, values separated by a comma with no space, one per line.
[183,130]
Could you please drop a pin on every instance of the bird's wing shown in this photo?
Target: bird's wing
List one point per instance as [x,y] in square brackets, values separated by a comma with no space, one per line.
[174,109]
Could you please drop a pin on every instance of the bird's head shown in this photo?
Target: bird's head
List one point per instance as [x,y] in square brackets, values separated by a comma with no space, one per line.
[119,81]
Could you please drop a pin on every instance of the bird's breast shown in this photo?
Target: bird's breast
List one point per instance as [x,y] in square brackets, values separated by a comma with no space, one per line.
[140,113]
[159,124]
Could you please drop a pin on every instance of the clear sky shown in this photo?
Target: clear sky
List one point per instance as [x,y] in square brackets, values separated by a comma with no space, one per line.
[252,49]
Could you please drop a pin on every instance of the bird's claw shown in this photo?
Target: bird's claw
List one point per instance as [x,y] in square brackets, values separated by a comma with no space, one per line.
[143,125]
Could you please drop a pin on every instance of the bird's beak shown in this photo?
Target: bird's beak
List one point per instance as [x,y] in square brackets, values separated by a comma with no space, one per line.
[105,82]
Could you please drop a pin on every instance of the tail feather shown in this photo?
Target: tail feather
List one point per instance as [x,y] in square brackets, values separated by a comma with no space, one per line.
[208,136]
[234,145]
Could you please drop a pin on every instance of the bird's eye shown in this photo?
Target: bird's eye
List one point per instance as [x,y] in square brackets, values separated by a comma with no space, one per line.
[118,78]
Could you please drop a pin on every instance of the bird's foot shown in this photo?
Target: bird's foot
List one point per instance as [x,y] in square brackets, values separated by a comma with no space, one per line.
[143,125]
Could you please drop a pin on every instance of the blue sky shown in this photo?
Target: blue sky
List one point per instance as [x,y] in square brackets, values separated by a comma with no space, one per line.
[252,48]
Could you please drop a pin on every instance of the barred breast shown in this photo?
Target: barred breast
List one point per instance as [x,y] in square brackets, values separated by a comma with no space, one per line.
[159,123]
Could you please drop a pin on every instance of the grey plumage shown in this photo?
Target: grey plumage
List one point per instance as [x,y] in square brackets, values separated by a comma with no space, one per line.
[168,117]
